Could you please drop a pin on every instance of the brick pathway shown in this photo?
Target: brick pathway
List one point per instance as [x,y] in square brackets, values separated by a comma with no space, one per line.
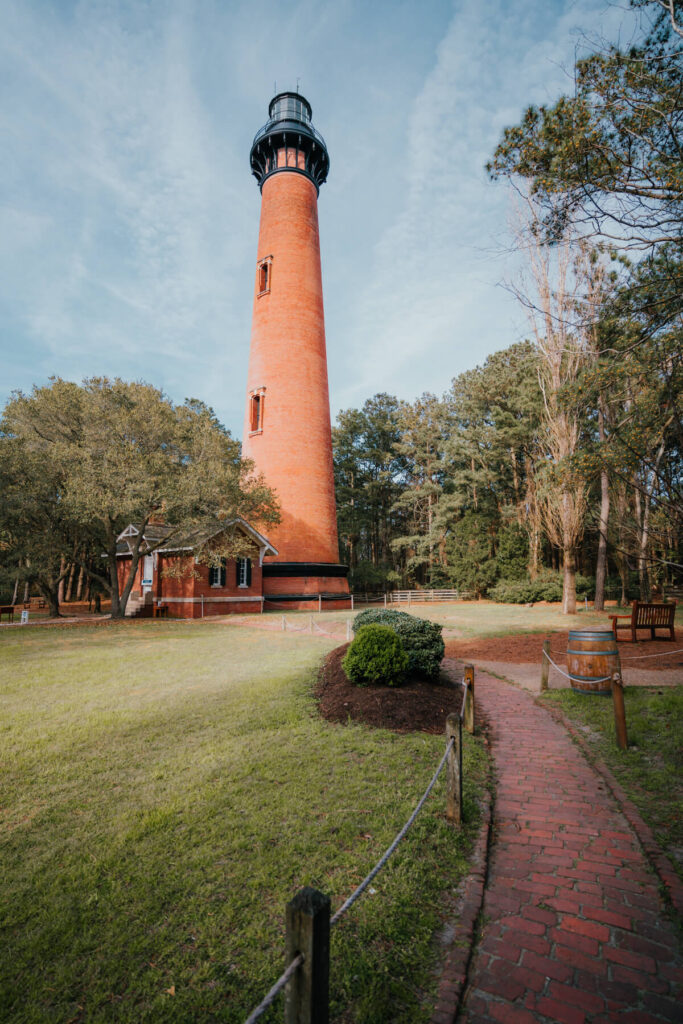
[573,926]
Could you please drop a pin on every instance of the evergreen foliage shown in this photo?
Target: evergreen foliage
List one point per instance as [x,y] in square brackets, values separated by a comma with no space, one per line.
[421,639]
[567,451]
[376,655]
[546,587]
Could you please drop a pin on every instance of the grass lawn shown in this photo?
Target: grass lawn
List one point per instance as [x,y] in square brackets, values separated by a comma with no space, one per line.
[165,789]
[478,618]
[651,770]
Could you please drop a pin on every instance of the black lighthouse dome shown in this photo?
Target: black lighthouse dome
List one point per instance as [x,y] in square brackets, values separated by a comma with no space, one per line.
[289,142]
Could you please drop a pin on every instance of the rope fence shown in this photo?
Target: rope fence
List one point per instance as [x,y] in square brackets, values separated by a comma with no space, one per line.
[385,857]
[604,679]
[270,998]
[308,920]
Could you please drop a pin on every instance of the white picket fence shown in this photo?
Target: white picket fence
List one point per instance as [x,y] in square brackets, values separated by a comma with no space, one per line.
[418,596]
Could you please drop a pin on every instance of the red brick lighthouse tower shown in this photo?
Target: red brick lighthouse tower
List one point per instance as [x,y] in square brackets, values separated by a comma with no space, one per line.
[287,424]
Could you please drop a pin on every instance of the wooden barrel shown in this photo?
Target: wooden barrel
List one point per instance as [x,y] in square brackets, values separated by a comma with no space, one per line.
[591,657]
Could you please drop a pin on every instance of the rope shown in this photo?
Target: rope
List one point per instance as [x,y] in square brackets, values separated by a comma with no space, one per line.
[664,654]
[633,657]
[603,679]
[275,990]
[294,629]
[333,636]
[382,861]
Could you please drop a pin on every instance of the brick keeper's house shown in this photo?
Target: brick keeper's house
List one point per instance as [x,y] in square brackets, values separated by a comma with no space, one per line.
[170,581]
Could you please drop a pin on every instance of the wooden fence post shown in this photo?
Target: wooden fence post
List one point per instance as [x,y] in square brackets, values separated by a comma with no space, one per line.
[308,932]
[351,602]
[619,711]
[545,665]
[385,600]
[469,700]
[454,770]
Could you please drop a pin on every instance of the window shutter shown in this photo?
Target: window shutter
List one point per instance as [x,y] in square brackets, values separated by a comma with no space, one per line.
[248,561]
[223,571]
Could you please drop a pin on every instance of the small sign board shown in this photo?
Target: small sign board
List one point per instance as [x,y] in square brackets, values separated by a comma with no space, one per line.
[147,583]
[24,616]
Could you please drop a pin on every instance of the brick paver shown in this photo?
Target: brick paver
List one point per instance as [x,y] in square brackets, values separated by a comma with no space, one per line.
[573,929]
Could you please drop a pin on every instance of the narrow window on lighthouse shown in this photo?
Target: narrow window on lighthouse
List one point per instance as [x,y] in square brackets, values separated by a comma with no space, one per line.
[256,413]
[264,269]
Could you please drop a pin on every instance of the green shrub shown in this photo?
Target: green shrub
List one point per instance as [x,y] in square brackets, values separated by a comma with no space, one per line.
[421,639]
[375,656]
[546,587]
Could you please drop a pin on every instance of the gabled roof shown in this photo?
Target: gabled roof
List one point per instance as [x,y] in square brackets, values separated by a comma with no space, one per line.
[189,541]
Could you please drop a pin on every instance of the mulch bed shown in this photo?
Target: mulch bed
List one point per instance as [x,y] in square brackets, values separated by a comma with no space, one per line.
[527,649]
[415,706]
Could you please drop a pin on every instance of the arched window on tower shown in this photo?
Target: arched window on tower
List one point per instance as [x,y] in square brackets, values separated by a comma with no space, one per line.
[256,413]
[264,274]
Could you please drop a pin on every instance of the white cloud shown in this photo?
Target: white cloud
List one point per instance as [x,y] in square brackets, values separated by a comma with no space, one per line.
[129,219]
[431,308]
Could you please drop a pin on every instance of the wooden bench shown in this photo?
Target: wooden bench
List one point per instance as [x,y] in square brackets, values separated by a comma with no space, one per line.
[647,616]
[8,610]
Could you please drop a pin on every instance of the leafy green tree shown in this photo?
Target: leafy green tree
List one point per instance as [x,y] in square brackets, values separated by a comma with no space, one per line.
[425,503]
[496,411]
[607,158]
[367,472]
[471,556]
[36,528]
[123,453]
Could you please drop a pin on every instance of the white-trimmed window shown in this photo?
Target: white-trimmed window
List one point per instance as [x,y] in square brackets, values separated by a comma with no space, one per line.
[256,413]
[264,273]
[244,572]
[217,574]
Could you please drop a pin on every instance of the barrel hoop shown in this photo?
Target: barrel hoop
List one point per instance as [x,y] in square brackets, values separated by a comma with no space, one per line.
[588,634]
[593,693]
[599,653]
[585,679]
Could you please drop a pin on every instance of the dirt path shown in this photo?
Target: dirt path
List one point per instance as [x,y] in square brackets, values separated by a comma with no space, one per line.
[574,929]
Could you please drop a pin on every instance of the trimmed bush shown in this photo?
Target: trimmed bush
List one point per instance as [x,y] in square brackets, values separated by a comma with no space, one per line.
[421,639]
[375,656]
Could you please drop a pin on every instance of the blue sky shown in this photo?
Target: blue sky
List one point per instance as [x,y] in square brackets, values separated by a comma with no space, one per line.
[129,217]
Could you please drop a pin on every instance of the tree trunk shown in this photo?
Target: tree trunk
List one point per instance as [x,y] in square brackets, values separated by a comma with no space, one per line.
[117,612]
[601,564]
[16,590]
[50,592]
[26,591]
[79,585]
[70,584]
[642,517]
[569,582]
[62,573]
[515,483]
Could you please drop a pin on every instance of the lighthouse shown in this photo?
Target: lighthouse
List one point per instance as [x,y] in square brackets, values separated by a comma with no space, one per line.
[287,430]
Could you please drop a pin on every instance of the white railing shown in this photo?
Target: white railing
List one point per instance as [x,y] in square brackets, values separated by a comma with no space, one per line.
[417,596]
